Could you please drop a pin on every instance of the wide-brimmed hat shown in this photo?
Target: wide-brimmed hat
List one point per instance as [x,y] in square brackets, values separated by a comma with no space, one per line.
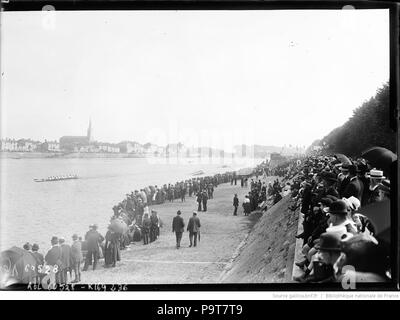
[54,240]
[365,254]
[376,174]
[362,168]
[352,202]
[27,246]
[329,242]
[338,207]
[352,169]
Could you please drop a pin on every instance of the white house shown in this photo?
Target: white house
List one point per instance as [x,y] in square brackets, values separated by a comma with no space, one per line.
[8,145]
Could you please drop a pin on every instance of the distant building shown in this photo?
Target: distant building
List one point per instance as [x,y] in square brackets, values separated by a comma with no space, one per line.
[152,149]
[8,145]
[49,146]
[130,147]
[77,143]
[108,148]
[27,145]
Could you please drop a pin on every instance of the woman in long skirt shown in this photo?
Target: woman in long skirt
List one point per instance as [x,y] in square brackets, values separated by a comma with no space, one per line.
[112,253]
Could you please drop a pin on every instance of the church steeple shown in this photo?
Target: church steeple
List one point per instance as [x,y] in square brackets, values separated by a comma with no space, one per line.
[89,131]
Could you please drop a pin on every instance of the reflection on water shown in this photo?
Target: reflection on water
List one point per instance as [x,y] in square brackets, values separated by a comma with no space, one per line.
[32,211]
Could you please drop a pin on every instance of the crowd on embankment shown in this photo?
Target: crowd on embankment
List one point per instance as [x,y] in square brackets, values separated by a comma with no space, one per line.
[132,221]
[343,202]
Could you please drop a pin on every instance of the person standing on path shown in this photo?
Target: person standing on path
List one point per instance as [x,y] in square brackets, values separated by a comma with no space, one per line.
[193,228]
[205,199]
[76,258]
[65,259]
[235,204]
[178,226]
[53,259]
[93,240]
[199,199]
[146,225]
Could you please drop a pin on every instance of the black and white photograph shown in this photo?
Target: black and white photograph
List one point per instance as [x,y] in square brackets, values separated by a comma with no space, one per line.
[197,147]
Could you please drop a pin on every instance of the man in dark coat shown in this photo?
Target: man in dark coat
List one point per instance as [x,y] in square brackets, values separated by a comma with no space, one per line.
[53,259]
[343,179]
[362,169]
[39,262]
[355,187]
[193,228]
[329,180]
[178,226]
[93,239]
[154,228]
[199,200]
[65,259]
[204,198]
[146,225]
[76,258]
[235,204]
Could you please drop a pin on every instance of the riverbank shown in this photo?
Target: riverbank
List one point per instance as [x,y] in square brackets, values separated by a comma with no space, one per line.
[61,155]
[267,254]
[161,263]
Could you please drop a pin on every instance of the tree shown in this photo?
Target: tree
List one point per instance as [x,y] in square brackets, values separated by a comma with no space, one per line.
[368,126]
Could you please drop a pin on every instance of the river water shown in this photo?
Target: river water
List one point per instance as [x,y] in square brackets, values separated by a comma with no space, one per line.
[34,212]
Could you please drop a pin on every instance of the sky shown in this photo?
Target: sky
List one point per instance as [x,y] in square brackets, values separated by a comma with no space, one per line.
[216,78]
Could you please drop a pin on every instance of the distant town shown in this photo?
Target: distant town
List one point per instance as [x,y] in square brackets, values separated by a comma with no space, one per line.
[86,144]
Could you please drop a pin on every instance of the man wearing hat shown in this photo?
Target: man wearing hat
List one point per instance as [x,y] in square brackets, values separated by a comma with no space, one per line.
[27,246]
[193,228]
[76,258]
[38,256]
[362,173]
[328,251]
[178,226]
[53,259]
[155,225]
[235,204]
[375,177]
[39,262]
[343,178]
[93,239]
[355,187]
[65,259]
[329,179]
[367,257]
[338,218]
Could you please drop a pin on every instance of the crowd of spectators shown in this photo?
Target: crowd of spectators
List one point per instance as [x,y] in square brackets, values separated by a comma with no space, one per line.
[338,238]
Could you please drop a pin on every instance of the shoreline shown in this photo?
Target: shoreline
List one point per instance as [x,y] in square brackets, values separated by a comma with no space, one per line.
[161,263]
[61,155]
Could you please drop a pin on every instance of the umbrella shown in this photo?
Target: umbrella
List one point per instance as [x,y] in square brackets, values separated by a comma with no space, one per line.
[380,158]
[17,265]
[119,226]
[342,158]
[379,215]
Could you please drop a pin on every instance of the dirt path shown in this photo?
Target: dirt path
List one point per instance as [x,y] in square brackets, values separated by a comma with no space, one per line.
[161,263]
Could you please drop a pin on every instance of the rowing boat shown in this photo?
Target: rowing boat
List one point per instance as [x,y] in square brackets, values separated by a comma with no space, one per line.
[56,179]
[198,173]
